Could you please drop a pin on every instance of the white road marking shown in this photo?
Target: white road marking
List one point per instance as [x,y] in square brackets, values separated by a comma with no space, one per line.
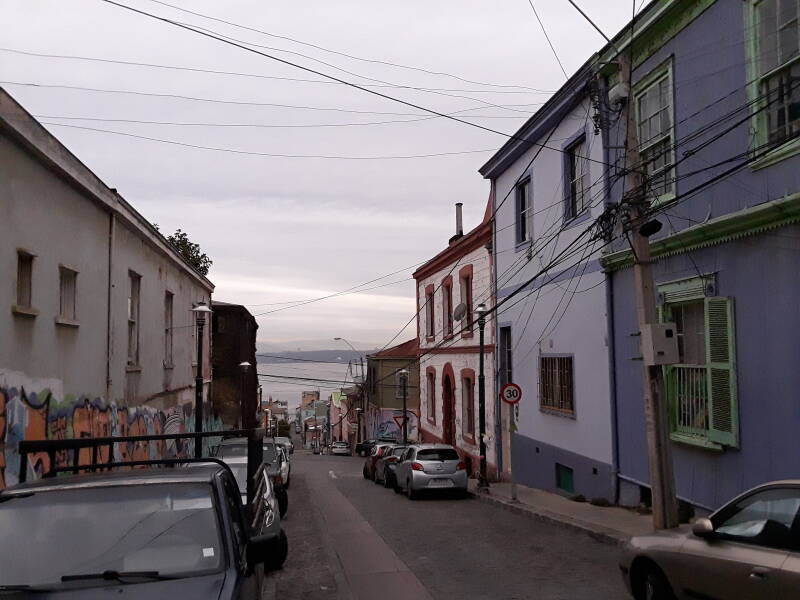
[332,474]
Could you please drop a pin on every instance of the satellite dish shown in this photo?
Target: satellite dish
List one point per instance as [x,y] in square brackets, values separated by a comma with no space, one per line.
[460,312]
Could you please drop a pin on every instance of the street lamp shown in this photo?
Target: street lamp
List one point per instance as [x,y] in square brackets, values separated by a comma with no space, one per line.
[244,412]
[483,482]
[359,410]
[404,383]
[200,311]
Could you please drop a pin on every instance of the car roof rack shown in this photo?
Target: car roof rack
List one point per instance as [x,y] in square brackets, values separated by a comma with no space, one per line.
[81,463]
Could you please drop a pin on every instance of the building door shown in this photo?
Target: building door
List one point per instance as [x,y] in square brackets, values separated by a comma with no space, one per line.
[448,411]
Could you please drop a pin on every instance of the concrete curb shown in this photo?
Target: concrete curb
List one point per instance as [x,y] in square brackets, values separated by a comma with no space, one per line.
[597,532]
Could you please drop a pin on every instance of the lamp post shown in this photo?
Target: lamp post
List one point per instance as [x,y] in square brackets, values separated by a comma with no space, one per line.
[245,414]
[404,383]
[200,311]
[483,482]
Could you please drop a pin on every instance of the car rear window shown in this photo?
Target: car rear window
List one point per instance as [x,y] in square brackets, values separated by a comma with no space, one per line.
[437,454]
[398,451]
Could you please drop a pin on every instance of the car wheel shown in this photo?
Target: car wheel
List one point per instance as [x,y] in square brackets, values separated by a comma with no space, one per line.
[397,489]
[412,495]
[364,472]
[655,586]
[387,483]
[276,562]
[377,480]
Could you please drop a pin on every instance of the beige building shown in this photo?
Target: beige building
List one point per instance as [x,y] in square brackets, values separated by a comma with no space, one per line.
[95,308]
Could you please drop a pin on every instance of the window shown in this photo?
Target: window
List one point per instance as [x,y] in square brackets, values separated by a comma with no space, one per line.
[430,313]
[701,388]
[24,279]
[576,179]
[447,306]
[504,356]
[134,286]
[778,69]
[654,125]
[67,289]
[764,518]
[431,393]
[465,291]
[524,212]
[468,404]
[556,384]
[168,305]
[399,376]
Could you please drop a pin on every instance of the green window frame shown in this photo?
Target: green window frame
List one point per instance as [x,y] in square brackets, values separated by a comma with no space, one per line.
[654,109]
[702,398]
[773,58]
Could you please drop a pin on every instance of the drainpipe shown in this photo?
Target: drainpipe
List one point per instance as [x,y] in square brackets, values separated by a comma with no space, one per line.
[109,334]
[612,371]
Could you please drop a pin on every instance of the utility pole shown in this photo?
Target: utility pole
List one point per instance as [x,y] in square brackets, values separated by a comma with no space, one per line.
[662,479]
[483,480]
[404,383]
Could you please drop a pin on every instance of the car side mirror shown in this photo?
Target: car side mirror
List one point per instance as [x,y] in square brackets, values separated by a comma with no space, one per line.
[703,528]
[260,548]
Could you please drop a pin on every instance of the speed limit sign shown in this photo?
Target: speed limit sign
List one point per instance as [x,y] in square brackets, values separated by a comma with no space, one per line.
[511,393]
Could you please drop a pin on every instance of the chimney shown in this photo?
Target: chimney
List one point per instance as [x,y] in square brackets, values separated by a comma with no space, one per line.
[459,222]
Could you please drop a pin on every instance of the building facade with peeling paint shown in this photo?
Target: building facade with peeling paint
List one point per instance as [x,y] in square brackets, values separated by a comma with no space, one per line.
[98,337]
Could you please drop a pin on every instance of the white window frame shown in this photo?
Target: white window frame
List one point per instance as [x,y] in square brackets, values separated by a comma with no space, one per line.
[577,178]
[666,137]
[134,317]
[169,319]
[524,214]
[67,294]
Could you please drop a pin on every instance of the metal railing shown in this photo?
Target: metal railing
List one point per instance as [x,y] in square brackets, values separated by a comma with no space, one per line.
[59,460]
[688,392]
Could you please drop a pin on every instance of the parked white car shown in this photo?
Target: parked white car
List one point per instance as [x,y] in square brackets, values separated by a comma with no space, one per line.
[425,467]
[340,448]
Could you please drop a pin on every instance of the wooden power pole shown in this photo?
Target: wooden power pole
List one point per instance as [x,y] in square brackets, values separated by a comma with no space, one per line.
[662,479]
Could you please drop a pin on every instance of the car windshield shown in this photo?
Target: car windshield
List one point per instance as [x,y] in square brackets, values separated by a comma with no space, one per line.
[228,450]
[437,454]
[168,528]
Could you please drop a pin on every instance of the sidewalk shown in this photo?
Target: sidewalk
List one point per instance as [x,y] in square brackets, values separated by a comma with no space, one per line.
[611,524]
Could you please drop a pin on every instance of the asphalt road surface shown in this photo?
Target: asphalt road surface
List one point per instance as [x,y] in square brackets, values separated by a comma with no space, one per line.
[349,538]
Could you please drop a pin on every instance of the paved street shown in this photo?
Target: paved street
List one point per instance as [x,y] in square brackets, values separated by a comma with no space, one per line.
[351,538]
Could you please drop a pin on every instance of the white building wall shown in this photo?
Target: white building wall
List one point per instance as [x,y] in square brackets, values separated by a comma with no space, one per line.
[447,352]
[63,378]
[566,316]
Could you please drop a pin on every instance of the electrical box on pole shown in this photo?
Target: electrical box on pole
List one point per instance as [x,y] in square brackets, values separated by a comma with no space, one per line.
[659,344]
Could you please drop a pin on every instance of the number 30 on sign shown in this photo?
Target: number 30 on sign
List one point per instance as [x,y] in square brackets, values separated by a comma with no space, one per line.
[511,393]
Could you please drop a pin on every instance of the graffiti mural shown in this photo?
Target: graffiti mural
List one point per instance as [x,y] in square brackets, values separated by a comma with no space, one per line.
[387,422]
[28,415]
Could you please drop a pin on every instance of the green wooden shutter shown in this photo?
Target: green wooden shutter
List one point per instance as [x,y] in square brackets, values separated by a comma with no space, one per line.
[721,372]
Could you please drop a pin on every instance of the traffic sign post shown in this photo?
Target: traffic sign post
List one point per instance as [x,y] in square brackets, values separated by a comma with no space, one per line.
[511,393]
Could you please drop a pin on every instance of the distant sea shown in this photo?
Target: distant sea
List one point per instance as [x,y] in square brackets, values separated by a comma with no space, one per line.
[291,390]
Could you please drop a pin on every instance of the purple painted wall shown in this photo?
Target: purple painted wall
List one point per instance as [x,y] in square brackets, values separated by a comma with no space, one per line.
[760,273]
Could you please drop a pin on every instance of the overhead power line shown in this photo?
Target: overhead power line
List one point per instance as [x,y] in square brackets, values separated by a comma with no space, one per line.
[332,77]
[344,54]
[547,37]
[243,74]
[592,23]
[268,154]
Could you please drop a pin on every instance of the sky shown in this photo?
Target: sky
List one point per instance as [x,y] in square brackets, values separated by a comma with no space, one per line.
[281,223]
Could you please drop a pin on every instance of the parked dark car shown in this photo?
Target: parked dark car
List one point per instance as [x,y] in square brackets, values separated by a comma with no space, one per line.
[365,447]
[385,465]
[369,463]
[147,533]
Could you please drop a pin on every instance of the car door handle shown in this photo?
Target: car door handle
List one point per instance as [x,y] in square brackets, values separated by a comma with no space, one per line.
[759,573]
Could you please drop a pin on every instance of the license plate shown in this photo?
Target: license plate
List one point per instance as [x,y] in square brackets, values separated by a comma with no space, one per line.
[440,483]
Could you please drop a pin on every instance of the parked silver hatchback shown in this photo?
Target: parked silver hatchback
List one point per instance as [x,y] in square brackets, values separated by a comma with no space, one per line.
[424,467]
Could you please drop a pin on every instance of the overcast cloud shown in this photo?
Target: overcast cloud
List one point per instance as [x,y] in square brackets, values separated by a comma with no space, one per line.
[284,229]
